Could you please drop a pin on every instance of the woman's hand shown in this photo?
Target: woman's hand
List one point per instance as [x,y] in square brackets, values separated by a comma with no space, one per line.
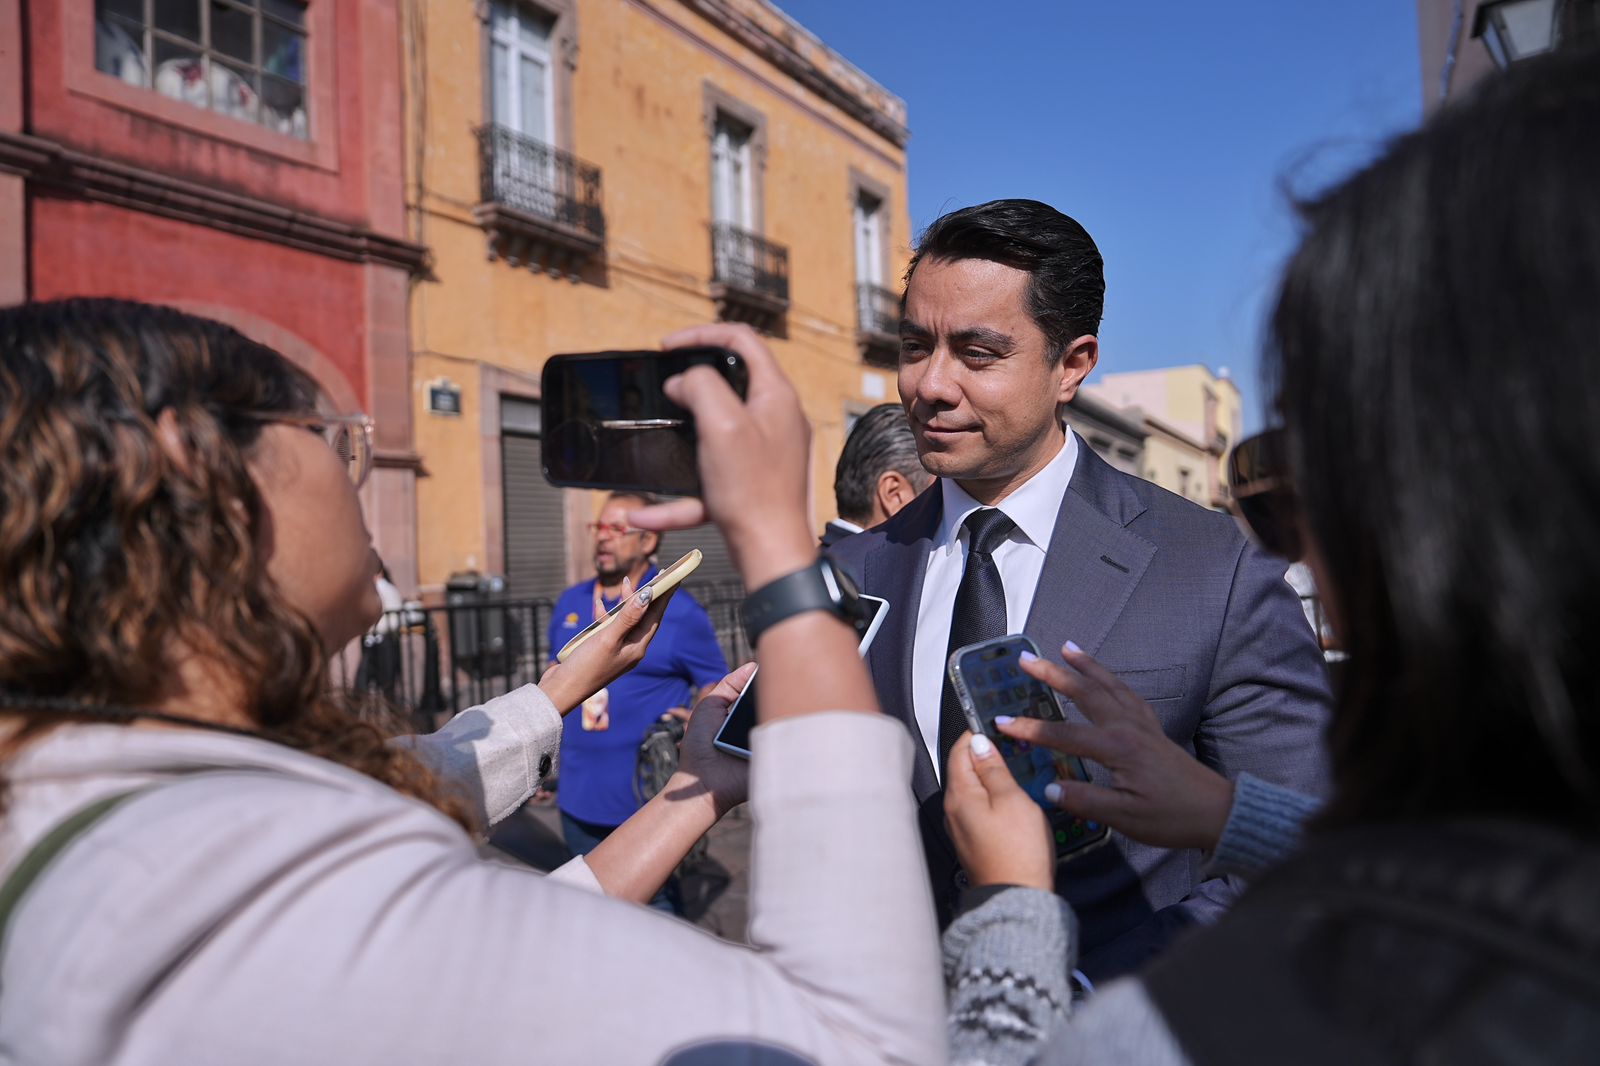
[638,857]
[753,455]
[1159,794]
[1000,834]
[701,767]
[608,654]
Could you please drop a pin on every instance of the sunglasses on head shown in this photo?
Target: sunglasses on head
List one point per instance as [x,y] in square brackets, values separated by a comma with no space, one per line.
[1264,499]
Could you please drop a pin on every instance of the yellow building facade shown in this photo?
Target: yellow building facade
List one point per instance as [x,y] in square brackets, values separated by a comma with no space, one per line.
[1193,415]
[594,174]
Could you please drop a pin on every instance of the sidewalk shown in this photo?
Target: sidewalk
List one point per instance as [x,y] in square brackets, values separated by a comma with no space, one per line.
[716,883]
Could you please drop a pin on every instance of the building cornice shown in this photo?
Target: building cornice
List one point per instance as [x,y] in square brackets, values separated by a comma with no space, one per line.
[794,50]
[69,172]
[1128,421]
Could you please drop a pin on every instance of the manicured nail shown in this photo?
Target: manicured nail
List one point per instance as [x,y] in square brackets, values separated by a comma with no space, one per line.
[1052,792]
[1072,646]
[1003,719]
[1027,657]
[982,747]
[645,595]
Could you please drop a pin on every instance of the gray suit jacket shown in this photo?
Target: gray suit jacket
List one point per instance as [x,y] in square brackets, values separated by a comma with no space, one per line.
[1172,598]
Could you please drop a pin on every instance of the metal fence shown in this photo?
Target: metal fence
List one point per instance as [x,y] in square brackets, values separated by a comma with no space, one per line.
[749,261]
[432,662]
[877,310]
[540,179]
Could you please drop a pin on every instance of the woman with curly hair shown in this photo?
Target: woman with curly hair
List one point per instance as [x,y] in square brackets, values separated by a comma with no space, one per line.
[207,857]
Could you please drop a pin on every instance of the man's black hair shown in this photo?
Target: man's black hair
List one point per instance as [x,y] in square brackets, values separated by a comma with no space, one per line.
[1067,285]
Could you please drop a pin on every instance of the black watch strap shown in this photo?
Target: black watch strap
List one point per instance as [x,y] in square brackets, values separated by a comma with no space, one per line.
[818,587]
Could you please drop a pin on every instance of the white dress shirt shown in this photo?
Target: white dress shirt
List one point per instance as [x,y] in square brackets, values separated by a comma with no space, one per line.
[1033,507]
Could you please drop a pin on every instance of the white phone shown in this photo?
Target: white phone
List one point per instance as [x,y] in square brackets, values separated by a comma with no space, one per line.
[659,585]
[734,736]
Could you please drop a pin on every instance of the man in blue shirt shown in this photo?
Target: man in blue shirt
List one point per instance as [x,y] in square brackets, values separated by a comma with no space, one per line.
[600,745]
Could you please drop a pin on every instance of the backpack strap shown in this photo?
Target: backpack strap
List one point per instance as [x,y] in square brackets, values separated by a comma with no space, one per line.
[39,857]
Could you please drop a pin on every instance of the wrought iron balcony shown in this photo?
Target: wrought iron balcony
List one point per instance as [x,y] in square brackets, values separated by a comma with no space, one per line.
[749,276]
[541,206]
[878,323]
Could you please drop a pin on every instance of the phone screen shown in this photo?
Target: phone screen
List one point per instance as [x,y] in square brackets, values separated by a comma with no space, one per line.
[734,736]
[608,425]
[995,685]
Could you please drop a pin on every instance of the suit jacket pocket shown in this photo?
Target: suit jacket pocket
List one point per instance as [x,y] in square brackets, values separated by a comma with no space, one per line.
[1152,686]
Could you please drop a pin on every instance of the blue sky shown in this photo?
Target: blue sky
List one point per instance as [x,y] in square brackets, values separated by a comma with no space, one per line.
[1168,129]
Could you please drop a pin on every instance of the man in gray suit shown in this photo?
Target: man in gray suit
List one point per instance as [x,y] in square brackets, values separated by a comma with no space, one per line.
[1027,530]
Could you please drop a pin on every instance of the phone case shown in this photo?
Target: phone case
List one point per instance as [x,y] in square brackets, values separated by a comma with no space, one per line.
[662,583]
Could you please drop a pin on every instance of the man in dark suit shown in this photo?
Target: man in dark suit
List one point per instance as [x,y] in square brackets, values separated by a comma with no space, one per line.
[878,473]
[1027,530]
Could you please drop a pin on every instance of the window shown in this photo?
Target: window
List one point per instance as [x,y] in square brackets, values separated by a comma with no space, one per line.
[732,183]
[869,239]
[522,71]
[243,58]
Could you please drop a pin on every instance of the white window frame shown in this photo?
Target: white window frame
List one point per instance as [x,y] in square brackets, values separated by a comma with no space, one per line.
[869,238]
[732,173]
[505,31]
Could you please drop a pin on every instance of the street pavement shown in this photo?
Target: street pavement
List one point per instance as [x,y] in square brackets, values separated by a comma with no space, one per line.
[715,882]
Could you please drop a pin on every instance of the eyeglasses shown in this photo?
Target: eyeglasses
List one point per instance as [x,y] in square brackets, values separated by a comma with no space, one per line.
[616,529]
[1264,500]
[350,436]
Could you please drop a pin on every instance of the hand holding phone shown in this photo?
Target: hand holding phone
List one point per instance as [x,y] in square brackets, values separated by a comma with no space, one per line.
[734,736]
[754,458]
[663,583]
[989,681]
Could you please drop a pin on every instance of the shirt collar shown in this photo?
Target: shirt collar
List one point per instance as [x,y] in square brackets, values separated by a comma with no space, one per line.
[1033,507]
[847,525]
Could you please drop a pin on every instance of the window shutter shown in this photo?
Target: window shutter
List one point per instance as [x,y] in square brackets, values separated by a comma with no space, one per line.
[535,522]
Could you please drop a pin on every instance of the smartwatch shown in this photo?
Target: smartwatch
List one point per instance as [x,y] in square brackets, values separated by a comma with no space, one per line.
[822,586]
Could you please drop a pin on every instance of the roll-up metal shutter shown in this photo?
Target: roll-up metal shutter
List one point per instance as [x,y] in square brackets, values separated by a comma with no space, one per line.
[535,510]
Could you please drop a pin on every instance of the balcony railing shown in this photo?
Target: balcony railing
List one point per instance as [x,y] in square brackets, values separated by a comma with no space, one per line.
[541,206]
[878,322]
[750,264]
[533,177]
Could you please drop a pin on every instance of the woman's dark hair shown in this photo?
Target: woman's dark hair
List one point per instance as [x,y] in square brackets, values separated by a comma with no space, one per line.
[1067,285]
[881,440]
[1436,354]
[113,554]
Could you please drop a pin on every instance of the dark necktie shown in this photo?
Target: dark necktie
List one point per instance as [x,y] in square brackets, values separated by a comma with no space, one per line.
[980,613]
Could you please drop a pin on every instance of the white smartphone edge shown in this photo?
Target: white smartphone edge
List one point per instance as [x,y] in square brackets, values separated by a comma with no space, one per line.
[664,582]
[866,643]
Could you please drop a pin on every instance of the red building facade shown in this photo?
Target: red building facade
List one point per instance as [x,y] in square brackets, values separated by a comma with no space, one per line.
[238,158]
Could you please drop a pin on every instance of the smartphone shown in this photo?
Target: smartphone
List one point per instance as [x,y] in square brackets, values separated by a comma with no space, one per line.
[608,425]
[734,736]
[989,681]
[661,584]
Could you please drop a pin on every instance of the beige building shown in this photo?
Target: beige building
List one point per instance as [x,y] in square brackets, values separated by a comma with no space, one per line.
[1192,416]
[592,174]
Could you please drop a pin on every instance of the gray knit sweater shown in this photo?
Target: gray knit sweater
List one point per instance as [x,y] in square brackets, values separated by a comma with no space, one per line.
[1008,961]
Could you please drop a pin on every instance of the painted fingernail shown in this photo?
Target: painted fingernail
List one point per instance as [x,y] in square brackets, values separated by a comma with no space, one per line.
[645,595]
[1052,792]
[1072,646]
[1027,657]
[982,747]
[1003,719]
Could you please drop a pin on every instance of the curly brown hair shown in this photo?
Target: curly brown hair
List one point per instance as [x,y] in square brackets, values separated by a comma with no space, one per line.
[112,555]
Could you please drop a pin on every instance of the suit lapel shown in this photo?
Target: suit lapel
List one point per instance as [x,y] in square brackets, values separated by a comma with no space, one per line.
[895,570]
[1094,562]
